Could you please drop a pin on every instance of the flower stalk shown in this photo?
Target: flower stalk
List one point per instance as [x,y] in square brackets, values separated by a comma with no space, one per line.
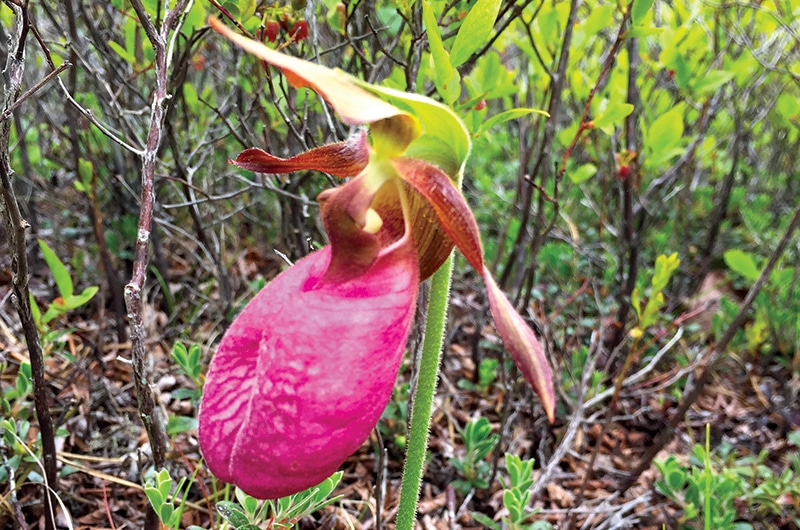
[436,316]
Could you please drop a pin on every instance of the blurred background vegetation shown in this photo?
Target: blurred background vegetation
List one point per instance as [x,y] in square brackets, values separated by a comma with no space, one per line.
[627,226]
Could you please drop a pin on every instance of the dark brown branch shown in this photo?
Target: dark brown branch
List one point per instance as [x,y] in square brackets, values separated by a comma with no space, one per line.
[15,227]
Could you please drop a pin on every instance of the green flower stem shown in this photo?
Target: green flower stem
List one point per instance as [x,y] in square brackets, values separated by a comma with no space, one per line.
[423,395]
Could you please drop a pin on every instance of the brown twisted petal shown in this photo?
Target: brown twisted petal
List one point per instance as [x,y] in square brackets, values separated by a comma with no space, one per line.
[452,212]
[340,159]
[432,244]
[457,220]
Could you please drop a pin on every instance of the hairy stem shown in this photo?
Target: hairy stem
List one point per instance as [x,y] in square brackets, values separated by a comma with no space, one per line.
[423,396]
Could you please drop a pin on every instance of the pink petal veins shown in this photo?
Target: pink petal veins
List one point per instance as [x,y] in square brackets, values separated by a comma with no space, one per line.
[304,373]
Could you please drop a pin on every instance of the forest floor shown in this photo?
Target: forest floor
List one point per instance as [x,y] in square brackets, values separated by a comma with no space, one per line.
[103,447]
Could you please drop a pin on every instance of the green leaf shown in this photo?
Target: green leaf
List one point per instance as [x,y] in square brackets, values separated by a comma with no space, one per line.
[165,513]
[794,438]
[665,266]
[742,263]
[583,173]
[164,483]
[85,170]
[36,312]
[664,135]
[485,521]
[74,301]
[445,77]
[122,52]
[59,271]
[644,31]
[179,424]
[195,18]
[614,113]
[442,131]
[474,31]
[154,496]
[639,11]
[712,81]
[505,116]
[232,513]
[601,17]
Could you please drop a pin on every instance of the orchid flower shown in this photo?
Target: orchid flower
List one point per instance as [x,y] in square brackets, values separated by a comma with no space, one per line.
[303,374]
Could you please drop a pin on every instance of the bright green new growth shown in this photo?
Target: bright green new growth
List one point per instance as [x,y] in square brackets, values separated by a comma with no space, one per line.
[516,499]
[250,513]
[478,443]
[67,298]
[665,266]
[159,493]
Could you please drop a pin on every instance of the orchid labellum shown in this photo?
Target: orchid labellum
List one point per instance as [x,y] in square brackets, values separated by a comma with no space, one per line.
[305,371]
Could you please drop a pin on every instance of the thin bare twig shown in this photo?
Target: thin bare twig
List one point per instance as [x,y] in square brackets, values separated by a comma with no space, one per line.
[15,227]
[148,410]
[31,91]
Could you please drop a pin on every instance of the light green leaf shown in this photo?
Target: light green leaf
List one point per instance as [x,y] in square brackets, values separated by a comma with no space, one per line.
[442,130]
[85,170]
[59,271]
[600,17]
[165,513]
[474,31]
[154,496]
[179,424]
[666,131]
[742,263]
[507,115]
[445,77]
[639,10]
[665,266]
[122,52]
[195,18]
[614,114]
[712,81]
[71,302]
[35,311]
[232,513]
[644,31]
[191,98]
[583,173]
[164,483]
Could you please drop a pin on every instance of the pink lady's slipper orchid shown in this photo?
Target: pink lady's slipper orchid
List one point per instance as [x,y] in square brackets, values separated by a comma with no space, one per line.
[304,372]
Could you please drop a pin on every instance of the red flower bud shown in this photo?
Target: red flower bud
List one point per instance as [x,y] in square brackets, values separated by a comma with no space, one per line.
[272,30]
[481,105]
[300,30]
